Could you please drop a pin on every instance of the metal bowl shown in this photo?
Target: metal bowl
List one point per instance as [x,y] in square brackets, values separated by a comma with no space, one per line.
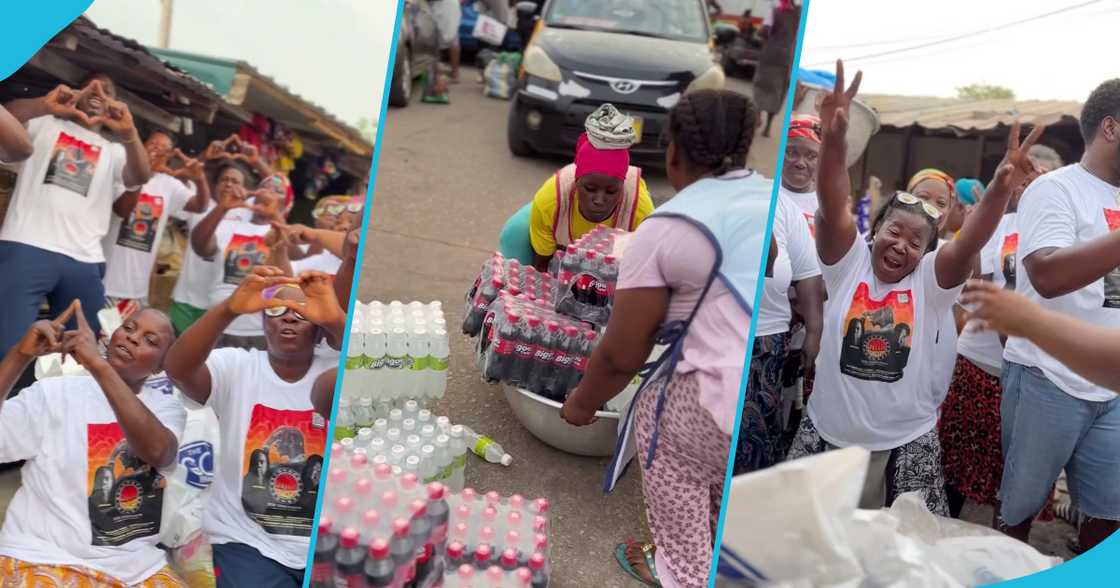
[542,417]
[863,122]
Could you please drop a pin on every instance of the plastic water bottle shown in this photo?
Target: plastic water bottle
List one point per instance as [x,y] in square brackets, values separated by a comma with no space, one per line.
[376,348]
[418,351]
[437,365]
[344,420]
[363,414]
[395,364]
[353,382]
[458,448]
[485,447]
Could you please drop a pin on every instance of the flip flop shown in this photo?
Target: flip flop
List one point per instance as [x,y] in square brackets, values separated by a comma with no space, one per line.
[647,551]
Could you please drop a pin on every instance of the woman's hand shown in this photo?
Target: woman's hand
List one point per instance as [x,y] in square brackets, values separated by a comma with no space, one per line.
[45,337]
[350,245]
[1017,169]
[233,198]
[62,102]
[575,413]
[321,306]
[249,297]
[835,105]
[997,309]
[81,344]
[118,119]
[809,350]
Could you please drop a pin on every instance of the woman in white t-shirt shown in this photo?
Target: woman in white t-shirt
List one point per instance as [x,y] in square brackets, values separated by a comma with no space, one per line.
[88,508]
[969,426]
[887,300]
[259,526]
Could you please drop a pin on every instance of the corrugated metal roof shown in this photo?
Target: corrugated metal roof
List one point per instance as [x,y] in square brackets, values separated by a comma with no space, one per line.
[935,113]
[182,81]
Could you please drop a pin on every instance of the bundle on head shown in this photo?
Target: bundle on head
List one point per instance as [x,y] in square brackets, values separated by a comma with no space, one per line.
[714,129]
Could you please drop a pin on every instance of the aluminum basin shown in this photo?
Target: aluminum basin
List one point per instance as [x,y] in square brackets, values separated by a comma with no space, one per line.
[542,417]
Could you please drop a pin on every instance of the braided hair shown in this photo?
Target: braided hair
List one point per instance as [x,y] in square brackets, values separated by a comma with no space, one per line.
[714,129]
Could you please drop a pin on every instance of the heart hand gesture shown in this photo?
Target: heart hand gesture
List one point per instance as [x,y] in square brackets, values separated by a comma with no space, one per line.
[321,306]
[62,102]
[835,105]
[250,296]
[118,118]
[232,198]
[46,336]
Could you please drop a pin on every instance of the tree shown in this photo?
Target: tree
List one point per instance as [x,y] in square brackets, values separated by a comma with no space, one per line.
[368,129]
[985,92]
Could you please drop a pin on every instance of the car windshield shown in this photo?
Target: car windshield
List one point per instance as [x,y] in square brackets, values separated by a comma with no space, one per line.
[683,20]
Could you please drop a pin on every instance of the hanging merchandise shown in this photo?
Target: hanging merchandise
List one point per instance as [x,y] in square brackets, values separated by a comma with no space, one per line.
[321,175]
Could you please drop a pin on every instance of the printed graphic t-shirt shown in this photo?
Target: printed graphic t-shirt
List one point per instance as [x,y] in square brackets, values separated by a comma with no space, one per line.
[63,198]
[997,258]
[867,392]
[324,261]
[267,478]
[132,245]
[197,276]
[1065,207]
[797,260]
[86,499]
[806,203]
[240,248]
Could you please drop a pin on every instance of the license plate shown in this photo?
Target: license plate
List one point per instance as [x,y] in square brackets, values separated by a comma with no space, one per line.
[637,130]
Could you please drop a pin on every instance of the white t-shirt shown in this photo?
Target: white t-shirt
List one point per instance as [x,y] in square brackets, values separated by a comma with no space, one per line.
[266,482]
[807,203]
[324,261]
[998,259]
[796,260]
[241,248]
[1066,207]
[85,499]
[867,392]
[196,275]
[63,198]
[131,247]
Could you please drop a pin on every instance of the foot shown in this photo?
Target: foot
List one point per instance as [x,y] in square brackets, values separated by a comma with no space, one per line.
[638,557]
[1022,531]
[1094,530]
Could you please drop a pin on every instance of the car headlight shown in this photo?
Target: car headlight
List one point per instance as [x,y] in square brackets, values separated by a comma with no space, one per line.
[713,79]
[538,64]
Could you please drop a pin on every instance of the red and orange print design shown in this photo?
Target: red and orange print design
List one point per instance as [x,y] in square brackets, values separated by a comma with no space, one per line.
[877,335]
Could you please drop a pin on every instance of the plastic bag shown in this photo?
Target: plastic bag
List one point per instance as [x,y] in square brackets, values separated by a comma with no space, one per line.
[796,524]
[499,79]
[185,497]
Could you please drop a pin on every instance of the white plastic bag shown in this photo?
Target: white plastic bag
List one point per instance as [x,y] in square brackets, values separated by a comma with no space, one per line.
[184,499]
[489,30]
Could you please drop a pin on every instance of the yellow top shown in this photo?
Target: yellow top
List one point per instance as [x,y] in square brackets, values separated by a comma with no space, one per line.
[544,213]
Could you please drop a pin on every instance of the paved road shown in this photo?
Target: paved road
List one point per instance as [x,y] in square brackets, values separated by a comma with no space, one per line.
[445,185]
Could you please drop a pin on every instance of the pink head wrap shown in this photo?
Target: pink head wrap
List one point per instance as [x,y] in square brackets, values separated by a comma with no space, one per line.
[591,160]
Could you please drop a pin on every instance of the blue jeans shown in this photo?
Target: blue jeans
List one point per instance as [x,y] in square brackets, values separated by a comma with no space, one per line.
[514,240]
[239,565]
[1045,430]
[31,274]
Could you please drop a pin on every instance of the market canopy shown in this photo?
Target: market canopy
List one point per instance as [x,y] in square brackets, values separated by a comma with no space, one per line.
[246,91]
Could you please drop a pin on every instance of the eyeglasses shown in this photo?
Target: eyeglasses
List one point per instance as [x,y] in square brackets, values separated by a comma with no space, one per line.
[336,209]
[908,198]
[279,311]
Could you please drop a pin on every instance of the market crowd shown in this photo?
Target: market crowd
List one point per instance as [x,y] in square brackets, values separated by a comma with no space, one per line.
[920,335]
[256,318]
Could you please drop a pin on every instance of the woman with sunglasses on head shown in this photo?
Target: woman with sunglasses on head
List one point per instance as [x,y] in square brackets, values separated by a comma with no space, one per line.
[263,403]
[887,303]
[323,243]
[599,188]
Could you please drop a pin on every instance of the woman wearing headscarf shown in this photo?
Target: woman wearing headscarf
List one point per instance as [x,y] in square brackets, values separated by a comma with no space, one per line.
[684,282]
[599,188]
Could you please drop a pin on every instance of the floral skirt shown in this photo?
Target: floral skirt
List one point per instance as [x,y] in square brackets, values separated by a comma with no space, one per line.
[761,426]
[17,573]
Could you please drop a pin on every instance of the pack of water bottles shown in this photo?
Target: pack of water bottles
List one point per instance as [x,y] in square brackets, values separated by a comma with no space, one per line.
[586,273]
[499,274]
[524,343]
[380,529]
[397,352]
[496,541]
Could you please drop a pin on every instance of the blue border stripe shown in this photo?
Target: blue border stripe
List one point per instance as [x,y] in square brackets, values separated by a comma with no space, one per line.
[790,94]
[354,287]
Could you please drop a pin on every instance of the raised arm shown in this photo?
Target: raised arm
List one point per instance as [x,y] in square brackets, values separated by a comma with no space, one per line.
[202,236]
[15,143]
[321,306]
[186,360]
[146,435]
[344,278]
[43,338]
[196,173]
[835,225]
[955,260]
[1087,349]
[118,119]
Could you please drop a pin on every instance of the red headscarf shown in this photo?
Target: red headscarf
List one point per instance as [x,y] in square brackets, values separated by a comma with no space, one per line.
[591,160]
[806,126]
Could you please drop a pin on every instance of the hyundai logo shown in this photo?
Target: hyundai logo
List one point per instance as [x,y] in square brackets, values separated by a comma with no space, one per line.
[625,86]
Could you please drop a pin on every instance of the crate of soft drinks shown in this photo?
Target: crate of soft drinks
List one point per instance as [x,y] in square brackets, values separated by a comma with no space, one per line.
[385,529]
[396,352]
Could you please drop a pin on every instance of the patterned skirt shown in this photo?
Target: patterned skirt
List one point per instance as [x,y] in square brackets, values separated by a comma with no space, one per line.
[761,426]
[969,429]
[17,573]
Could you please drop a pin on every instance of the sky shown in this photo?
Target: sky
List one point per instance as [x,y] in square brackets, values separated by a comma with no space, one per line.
[332,52]
[1059,57]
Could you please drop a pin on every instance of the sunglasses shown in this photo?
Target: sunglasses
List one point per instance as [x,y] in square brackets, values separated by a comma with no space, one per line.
[336,209]
[908,198]
[279,311]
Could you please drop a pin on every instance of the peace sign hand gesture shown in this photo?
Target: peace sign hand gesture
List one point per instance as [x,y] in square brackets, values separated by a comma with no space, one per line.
[835,105]
[1017,167]
[45,337]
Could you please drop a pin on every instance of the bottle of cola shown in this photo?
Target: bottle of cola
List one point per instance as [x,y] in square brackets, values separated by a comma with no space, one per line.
[499,363]
[543,359]
[567,348]
[523,351]
[585,346]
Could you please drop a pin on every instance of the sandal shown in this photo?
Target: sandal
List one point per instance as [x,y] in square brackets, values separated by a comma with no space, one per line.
[624,561]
